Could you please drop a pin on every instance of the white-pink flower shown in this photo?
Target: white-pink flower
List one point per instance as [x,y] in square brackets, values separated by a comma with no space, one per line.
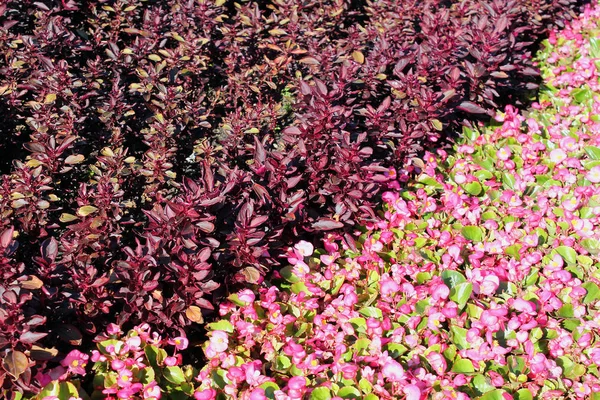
[219,341]
[304,248]
[593,174]
[393,371]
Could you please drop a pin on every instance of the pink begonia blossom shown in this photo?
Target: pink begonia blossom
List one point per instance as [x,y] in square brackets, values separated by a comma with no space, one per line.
[593,174]
[219,341]
[180,343]
[113,329]
[152,391]
[304,248]
[76,361]
[247,296]
[207,394]
[393,371]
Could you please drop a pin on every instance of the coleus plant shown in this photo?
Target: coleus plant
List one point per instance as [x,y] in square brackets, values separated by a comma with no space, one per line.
[292,126]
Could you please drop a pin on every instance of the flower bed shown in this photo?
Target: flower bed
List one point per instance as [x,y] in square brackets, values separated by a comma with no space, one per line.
[479,279]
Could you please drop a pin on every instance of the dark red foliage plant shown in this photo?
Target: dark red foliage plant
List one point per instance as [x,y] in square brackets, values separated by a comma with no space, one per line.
[156,152]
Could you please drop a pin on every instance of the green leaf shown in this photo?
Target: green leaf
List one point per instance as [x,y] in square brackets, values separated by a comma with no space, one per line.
[473,188]
[452,278]
[523,394]
[372,312]
[470,134]
[429,181]
[514,251]
[595,47]
[593,292]
[288,275]
[566,311]
[461,293]
[174,375]
[320,393]
[349,392]
[592,246]
[222,325]
[371,396]
[482,384]
[567,253]
[146,375]
[300,287]
[155,355]
[282,363]
[270,389]
[493,395]
[459,337]
[473,233]
[508,180]
[395,349]
[365,386]
[463,366]
[593,152]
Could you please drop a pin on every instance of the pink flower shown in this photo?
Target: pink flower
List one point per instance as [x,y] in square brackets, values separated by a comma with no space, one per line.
[180,342]
[393,371]
[524,306]
[170,361]
[76,361]
[117,364]
[412,392]
[113,329]
[304,248]
[297,383]
[219,341]
[437,362]
[504,153]
[247,296]
[258,394]
[125,378]
[388,286]
[557,156]
[152,391]
[134,342]
[593,174]
[207,394]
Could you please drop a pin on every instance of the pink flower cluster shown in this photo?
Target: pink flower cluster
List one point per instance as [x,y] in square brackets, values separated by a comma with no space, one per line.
[480,279]
[127,366]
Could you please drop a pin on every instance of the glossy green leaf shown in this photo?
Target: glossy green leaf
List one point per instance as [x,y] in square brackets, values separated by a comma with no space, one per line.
[222,325]
[461,293]
[452,278]
[473,188]
[593,152]
[473,233]
[372,312]
[567,253]
[482,384]
[463,366]
[493,395]
[523,394]
[174,375]
[592,246]
[593,292]
[320,393]
[349,392]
